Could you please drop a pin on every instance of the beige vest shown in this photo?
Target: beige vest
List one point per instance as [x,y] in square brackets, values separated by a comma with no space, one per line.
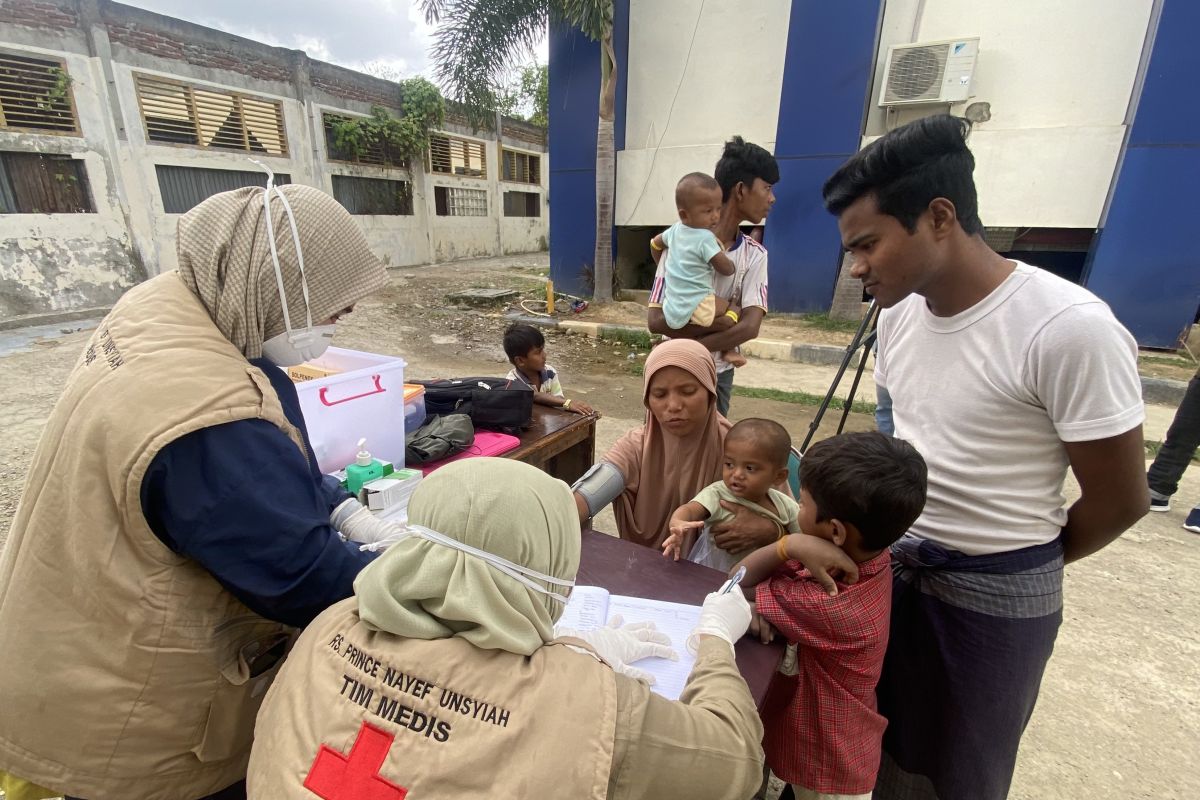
[357,713]
[125,665]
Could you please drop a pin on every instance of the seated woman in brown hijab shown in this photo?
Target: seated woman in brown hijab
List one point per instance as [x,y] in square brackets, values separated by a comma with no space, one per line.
[654,469]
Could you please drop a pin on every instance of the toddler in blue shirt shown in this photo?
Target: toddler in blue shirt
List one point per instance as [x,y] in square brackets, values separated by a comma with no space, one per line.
[692,252]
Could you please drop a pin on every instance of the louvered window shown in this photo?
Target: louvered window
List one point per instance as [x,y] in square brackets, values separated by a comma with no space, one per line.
[35,94]
[373,152]
[178,113]
[450,155]
[520,167]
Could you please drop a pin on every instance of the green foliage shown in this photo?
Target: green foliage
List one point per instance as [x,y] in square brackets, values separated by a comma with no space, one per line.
[802,398]
[479,41]
[56,95]
[527,95]
[399,139]
[823,321]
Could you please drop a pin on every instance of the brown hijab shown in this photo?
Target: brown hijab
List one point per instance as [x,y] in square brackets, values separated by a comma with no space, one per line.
[663,471]
[225,259]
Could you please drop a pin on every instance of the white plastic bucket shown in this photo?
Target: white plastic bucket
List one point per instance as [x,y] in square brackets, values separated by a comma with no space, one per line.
[365,400]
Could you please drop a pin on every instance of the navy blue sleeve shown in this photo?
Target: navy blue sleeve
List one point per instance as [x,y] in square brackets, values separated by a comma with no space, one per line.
[241,500]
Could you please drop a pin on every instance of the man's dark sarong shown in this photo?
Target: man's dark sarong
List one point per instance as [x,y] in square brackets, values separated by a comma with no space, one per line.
[970,638]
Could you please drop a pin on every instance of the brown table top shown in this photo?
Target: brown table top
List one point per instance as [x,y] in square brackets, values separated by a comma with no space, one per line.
[548,425]
[630,569]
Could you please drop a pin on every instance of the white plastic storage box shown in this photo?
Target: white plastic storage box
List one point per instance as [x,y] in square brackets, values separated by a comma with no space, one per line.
[363,400]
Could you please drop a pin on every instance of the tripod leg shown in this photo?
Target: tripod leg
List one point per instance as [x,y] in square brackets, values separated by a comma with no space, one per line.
[861,335]
[862,362]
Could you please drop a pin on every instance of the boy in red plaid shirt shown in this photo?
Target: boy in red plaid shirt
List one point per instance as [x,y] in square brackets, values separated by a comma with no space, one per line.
[860,491]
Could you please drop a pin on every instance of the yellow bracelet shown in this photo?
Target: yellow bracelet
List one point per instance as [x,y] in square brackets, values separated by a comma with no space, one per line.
[781,549]
[567,405]
[654,246]
[733,315]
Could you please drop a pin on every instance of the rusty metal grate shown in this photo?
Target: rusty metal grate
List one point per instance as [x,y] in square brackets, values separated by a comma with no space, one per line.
[179,113]
[450,155]
[520,167]
[35,94]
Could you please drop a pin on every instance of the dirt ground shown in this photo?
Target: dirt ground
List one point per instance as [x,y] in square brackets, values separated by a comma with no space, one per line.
[1119,714]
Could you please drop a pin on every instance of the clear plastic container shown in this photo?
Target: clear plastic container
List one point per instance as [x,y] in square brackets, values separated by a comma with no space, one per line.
[414,406]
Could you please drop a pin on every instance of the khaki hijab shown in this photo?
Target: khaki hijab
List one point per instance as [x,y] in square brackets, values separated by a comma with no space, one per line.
[225,259]
[663,471]
[423,590]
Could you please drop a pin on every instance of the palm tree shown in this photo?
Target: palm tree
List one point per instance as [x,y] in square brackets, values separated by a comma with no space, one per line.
[478,41]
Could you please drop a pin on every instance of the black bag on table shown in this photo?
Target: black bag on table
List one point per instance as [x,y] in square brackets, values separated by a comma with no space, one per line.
[496,404]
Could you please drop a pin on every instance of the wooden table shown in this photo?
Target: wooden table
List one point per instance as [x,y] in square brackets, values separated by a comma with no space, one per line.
[630,569]
[561,443]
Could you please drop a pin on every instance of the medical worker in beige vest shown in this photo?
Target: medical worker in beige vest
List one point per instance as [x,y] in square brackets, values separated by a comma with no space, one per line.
[174,528]
[442,677]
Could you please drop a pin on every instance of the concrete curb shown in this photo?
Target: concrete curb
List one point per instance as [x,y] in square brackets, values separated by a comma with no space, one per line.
[1163,391]
[1156,391]
[34,320]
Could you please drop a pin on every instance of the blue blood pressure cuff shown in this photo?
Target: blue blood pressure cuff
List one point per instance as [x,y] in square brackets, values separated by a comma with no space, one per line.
[599,486]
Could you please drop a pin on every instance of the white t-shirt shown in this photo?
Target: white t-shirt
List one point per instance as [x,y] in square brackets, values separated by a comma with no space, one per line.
[747,284]
[989,396]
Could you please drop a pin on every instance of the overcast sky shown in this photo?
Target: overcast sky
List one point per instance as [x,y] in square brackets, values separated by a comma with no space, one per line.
[352,33]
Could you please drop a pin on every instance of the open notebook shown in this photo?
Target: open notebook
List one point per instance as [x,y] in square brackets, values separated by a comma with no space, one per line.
[592,607]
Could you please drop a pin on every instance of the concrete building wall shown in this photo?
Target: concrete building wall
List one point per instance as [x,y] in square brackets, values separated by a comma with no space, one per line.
[687,94]
[60,262]
[1058,78]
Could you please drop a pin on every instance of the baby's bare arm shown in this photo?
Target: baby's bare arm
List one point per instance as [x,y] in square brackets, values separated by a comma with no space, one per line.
[722,264]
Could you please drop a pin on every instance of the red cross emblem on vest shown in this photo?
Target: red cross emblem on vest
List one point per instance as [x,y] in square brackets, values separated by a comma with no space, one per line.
[334,776]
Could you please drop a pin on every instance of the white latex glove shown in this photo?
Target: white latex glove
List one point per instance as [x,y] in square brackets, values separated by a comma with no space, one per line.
[724,615]
[355,522]
[620,645]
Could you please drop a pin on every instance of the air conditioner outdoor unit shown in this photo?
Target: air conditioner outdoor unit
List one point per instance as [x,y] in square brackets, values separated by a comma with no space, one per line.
[929,72]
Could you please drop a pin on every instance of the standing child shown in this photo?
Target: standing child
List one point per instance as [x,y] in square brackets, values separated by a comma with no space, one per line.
[526,350]
[692,253]
[824,732]
[755,459]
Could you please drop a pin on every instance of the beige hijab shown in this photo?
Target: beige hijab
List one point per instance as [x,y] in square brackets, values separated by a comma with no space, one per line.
[663,471]
[225,259]
[423,590]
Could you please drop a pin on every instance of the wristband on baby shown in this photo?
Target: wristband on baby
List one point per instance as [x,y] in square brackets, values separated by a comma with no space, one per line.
[655,245]
[781,549]
[733,315]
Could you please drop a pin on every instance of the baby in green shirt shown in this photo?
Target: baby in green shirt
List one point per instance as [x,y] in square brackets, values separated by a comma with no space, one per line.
[755,460]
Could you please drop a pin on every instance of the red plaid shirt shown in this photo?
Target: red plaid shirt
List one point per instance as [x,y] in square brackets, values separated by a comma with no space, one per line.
[823,729]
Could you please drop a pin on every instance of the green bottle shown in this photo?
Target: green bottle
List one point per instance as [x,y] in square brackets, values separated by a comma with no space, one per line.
[364,469]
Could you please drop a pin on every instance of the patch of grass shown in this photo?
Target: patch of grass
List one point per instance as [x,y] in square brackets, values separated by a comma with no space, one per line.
[824,322]
[637,368]
[1166,361]
[638,339]
[802,398]
[1152,448]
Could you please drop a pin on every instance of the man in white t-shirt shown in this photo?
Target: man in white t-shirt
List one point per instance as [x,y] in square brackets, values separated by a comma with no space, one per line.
[1003,376]
[746,174]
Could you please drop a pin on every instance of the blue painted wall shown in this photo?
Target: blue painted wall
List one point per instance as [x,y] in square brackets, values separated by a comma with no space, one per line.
[1145,262]
[574,113]
[574,95]
[826,80]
